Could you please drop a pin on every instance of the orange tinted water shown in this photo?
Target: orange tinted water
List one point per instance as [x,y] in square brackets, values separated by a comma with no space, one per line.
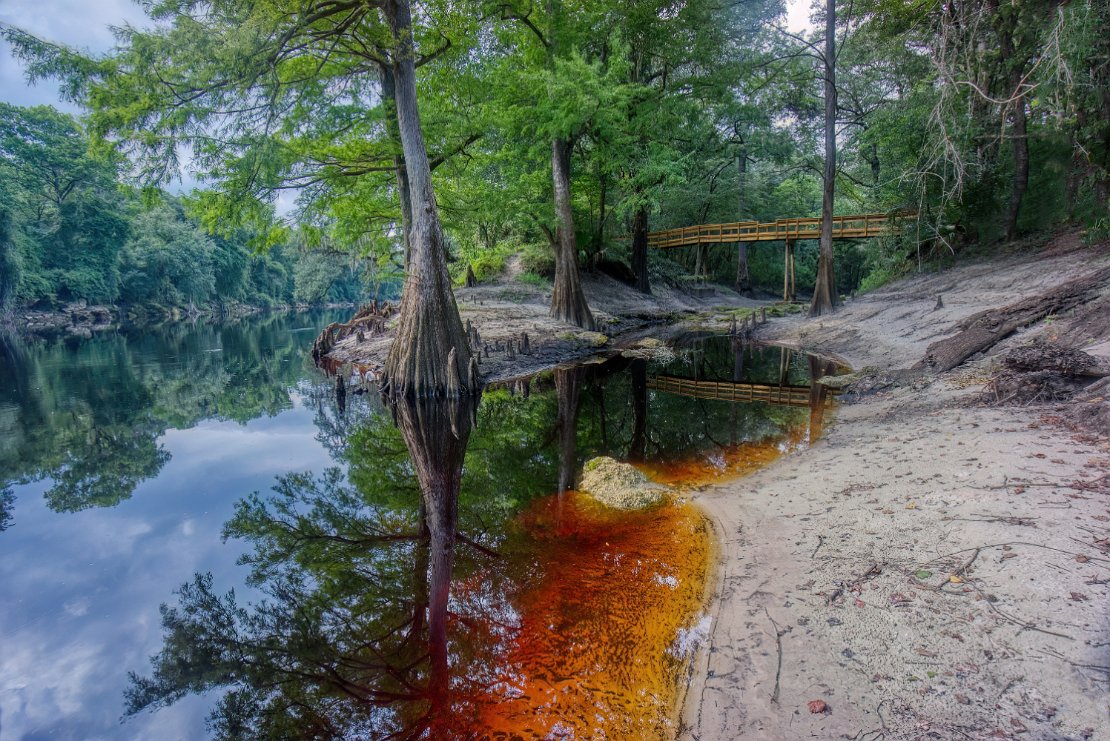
[582,641]
[603,596]
[731,462]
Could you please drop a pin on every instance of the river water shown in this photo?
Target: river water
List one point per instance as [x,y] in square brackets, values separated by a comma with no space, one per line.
[200,540]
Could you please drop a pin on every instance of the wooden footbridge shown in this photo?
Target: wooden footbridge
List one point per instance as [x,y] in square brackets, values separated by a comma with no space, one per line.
[791,396]
[844,227]
[789,231]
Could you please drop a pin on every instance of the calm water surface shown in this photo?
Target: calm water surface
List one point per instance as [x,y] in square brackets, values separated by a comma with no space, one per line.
[309,588]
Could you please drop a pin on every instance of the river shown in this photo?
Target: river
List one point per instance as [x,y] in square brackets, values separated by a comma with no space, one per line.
[209,469]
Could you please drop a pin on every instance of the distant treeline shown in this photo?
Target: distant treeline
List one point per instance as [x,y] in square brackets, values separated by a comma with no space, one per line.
[70,230]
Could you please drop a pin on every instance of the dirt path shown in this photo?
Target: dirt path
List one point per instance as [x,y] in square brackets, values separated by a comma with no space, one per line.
[932,568]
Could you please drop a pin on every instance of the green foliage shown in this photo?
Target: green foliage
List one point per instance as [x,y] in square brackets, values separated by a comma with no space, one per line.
[69,231]
[10,266]
[537,259]
[533,279]
[694,112]
[167,261]
[486,262]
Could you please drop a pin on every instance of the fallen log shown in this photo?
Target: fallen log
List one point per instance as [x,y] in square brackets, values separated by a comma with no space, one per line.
[984,330]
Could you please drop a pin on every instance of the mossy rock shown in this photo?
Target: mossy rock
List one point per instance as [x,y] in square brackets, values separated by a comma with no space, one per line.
[596,339]
[839,382]
[619,485]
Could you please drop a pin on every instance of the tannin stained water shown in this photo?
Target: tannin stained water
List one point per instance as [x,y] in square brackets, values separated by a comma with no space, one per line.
[598,600]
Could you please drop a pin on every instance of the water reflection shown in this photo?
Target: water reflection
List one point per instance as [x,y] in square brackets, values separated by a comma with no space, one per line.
[442,578]
[86,415]
[455,584]
[88,559]
[352,638]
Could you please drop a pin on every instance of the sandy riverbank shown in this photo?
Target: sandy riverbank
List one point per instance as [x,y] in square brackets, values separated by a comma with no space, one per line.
[502,311]
[933,567]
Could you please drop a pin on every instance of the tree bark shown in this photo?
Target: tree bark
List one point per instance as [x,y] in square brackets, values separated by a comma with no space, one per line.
[568,393]
[436,434]
[1021,168]
[640,249]
[789,290]
[568,302]
[429,327]
[393,130]
[743,284]
[1018,128]
[824,292]
[598,242]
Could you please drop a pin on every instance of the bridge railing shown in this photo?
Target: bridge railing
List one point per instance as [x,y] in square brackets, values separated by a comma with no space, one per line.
[859,225]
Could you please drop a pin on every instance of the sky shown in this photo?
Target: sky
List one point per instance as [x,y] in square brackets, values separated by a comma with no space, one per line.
[80,23]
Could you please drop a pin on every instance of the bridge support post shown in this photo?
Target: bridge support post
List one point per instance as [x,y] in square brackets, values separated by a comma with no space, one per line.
[788,271]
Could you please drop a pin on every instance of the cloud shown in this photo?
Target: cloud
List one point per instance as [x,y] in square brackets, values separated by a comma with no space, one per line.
[78,23]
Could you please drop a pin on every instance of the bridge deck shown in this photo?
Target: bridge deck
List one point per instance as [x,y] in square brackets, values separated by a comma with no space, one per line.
[794,396]
[844,227]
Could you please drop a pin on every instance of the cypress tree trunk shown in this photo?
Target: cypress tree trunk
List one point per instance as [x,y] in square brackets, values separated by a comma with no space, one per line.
[389,103]
[1018,128]
[743,284]
[568,392]
[599,234]
[640,250]
[1021,168]
[436,434]
[430,354]
[824,292]
[568,302]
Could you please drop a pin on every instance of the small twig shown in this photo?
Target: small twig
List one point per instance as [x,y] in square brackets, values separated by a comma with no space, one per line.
[820,542]
[778,669]
[960,571]
[879,712]
[1018,622]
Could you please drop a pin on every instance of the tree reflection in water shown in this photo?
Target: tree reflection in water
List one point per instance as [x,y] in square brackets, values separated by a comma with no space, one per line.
[351,638]
[393,607]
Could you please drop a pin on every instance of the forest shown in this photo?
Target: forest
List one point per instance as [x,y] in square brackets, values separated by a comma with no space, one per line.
[986,120]
[72,229]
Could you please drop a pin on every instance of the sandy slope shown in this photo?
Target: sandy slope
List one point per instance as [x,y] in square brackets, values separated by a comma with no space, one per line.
[836,562]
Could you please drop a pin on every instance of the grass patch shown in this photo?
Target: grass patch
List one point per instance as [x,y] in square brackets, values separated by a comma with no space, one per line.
[534,279]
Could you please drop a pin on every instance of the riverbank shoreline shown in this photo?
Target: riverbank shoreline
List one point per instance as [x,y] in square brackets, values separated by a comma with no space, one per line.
[81,319]
[505,311]
[935,566]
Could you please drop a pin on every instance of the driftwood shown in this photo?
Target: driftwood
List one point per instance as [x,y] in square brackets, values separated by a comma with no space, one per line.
[982,331]
[1041,372]
[368,321]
